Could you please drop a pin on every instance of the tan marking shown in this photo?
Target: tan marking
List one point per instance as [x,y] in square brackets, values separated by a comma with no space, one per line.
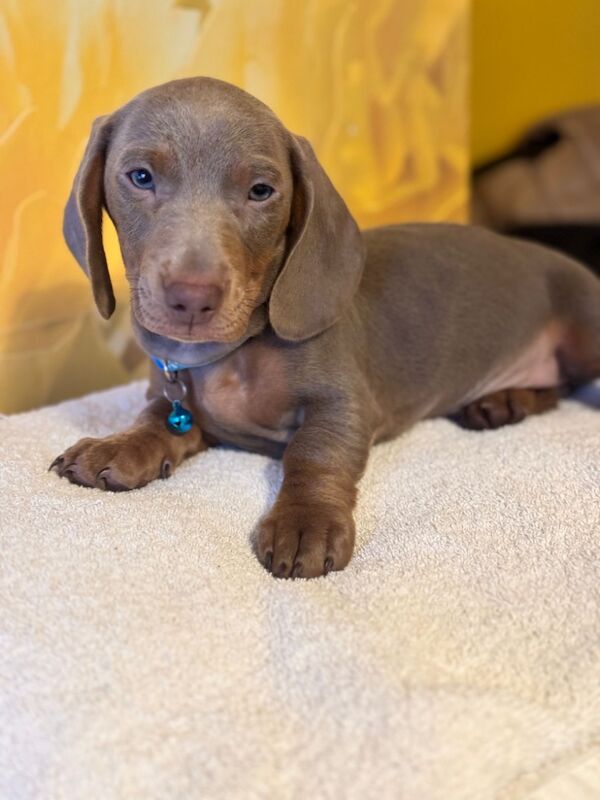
[247,392]
[536,367]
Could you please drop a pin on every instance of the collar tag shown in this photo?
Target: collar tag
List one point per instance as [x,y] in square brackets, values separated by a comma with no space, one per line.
[180,420]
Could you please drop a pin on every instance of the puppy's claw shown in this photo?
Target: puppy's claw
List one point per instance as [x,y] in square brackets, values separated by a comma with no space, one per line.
[57,462]
[65,470]
[328,566]
[297,570]
[101,482]
[281,571]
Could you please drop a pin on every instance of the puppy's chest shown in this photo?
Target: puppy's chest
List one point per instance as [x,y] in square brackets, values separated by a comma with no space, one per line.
[246,393]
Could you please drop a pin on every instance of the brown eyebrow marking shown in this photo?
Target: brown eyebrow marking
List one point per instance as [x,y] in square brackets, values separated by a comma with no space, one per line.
[157,156]
[263,168]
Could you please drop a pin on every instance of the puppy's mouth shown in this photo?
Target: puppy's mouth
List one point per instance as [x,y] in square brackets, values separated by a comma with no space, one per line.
[195,352]
[200,326]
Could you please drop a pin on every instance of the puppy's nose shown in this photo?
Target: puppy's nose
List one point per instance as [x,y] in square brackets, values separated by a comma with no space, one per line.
[197,298]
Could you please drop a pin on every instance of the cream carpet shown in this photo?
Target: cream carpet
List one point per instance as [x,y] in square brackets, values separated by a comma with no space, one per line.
[145,653]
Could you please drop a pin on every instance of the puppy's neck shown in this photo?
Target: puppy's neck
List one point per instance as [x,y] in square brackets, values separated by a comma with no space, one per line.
[195,354]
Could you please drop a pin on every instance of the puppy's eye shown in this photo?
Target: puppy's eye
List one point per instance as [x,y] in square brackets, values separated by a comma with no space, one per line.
[260,192]
[141,178]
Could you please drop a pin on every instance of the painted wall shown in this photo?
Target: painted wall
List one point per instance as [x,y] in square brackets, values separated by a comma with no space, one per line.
[379,86]
[530,58]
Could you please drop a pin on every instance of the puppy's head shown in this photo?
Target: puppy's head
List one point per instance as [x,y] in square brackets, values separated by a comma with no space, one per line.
[219,210]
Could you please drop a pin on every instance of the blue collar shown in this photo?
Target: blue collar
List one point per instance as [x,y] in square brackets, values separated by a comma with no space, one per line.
[168,365]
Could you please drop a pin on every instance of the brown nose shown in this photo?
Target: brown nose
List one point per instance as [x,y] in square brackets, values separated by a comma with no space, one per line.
[196,298]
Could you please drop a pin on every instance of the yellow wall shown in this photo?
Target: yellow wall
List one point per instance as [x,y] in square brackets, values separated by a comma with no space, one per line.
[530,58]
[379,86]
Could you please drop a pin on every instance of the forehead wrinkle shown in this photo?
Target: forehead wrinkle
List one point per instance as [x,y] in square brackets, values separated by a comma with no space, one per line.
[212,124]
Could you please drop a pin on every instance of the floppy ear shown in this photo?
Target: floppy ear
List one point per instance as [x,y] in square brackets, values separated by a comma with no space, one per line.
[82,224]
[325,257]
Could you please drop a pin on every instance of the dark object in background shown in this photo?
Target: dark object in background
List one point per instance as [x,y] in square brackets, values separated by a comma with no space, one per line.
[579,241]
[547,188]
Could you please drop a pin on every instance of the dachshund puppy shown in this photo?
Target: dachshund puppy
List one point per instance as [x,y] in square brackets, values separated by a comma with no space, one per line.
[294,333]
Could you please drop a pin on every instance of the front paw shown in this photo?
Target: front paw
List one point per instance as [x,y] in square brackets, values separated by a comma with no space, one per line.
[117,463]
[305,540]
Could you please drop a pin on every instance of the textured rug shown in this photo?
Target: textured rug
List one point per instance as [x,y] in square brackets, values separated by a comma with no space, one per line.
[145,653]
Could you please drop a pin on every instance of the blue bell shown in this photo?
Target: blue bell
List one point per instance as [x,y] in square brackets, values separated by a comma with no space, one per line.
[180,420]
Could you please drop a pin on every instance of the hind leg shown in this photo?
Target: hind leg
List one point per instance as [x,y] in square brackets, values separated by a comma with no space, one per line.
[506,408]
[563,355]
